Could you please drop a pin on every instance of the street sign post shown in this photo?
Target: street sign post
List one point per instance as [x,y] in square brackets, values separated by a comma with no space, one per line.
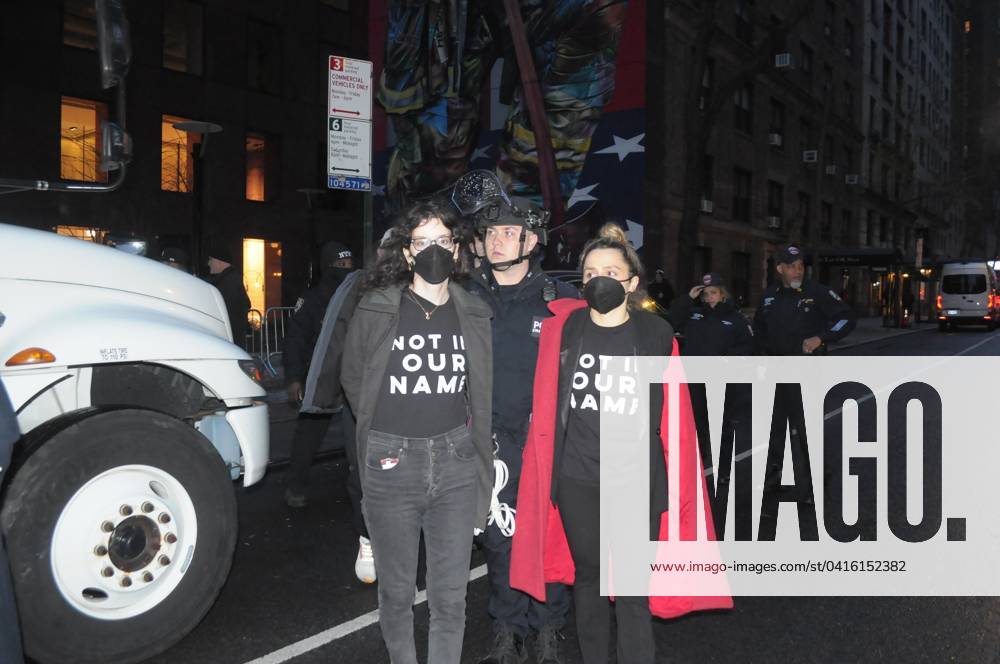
[349,124]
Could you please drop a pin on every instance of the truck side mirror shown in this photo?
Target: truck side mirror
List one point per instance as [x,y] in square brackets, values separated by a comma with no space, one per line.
[113,44]
[116,147]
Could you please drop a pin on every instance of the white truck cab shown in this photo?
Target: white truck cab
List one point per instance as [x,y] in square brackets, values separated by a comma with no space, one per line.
[137,413]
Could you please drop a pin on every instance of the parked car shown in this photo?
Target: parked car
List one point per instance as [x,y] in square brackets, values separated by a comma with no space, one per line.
[968,294]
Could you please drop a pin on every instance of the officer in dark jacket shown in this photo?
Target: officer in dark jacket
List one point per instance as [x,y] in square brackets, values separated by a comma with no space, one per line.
[336,262]
[229,281]
[510,278]
[10,636]
[798,317]
[711,325]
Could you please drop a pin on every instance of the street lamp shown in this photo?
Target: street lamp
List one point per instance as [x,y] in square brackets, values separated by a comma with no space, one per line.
[197,232]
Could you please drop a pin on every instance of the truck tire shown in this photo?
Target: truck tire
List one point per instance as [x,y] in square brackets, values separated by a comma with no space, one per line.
[120,530]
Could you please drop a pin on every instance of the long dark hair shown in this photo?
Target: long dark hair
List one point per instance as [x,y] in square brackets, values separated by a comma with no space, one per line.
[612,236]
[391,268]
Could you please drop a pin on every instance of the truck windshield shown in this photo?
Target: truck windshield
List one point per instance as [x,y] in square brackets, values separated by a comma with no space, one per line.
[963,284]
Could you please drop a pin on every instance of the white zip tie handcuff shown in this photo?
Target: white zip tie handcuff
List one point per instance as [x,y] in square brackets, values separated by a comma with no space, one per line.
[501,514]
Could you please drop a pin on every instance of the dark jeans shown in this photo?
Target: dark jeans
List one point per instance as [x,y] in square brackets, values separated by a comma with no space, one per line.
[310,430]
[507,606]
[579,503]
[427,485]
[10,636]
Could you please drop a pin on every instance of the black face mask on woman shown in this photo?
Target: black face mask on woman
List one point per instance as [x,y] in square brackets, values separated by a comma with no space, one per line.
[434,264]
[604,293]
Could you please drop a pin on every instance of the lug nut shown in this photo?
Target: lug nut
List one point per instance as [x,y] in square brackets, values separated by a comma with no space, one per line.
[100,550]
[164,518]
[107,571]
[147,507]
[170,538]
[126,582]
[164,560]
[147,577]
[125,510]
[107,526]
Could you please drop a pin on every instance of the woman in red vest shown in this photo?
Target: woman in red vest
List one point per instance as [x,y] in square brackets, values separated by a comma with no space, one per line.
[559,495]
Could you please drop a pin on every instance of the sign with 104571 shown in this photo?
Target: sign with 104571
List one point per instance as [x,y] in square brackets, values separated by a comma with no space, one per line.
[349,144]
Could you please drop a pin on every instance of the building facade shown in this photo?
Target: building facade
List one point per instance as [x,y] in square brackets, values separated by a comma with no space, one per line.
[256,69]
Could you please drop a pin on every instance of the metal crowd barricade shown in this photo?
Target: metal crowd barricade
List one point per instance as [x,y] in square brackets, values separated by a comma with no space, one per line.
[275,325]
[253,343]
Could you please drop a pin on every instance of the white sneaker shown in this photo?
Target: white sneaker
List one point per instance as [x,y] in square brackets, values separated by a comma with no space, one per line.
[364,566]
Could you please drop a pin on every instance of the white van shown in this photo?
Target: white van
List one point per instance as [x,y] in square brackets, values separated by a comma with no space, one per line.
[968,293]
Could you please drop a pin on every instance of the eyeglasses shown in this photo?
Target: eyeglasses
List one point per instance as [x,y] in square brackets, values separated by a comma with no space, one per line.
[418,244]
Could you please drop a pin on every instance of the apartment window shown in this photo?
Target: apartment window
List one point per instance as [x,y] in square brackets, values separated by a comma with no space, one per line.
[804,213]
[886,125]
[775,199]
[744,20]
[264,57]
[176,159]
[182,36]
[807,60]
[743,110]
[777,119]
[831,11]
[79,24]
[739,278]
[872,59]
[871,115]
[741,195]
[883,229]
[848,38]
[887,25]
[900,41]
[262,166]
[848,99]
[827,79]
[707,78]
[826,221]
[848,160]
[708,179]
[845,228]
[806,137]
[828,154]
[886,76]
[702,260]
[885,180]
[865,229]
[80,123]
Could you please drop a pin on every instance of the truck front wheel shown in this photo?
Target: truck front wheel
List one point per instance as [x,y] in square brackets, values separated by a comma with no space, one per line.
[120,530]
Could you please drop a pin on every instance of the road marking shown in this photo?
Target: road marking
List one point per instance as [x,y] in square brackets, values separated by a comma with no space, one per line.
[343,629]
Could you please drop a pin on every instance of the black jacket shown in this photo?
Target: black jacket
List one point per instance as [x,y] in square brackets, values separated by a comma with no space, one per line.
[517,315]
[230,285]
[304,327]
[653,336]
[788,316]
[718,330]
[323,392]
[366,358]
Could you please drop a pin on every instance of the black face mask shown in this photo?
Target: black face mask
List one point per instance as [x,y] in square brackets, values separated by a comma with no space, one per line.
[434,264]
[336,274]
[604,293]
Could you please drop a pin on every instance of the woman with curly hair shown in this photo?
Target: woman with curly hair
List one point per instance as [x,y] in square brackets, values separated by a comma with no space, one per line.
[417,371]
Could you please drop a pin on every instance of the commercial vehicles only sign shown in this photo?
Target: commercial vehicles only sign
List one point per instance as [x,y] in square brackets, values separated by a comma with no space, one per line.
[349,124]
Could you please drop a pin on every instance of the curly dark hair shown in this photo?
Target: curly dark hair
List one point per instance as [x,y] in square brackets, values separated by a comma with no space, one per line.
[391,268]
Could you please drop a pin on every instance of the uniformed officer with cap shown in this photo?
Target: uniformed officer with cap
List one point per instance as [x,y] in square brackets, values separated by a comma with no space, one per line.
[799,317]
[711,325]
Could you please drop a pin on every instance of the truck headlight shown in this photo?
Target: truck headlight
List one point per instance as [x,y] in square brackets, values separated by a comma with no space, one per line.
[249,367]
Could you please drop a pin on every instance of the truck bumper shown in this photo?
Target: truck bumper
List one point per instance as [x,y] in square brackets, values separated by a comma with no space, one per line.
[251,426]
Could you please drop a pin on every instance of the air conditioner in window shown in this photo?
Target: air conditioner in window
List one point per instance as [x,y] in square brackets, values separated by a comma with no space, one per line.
[783,61]
[852,178]
[810,156]
[706,206]
[774,222]
[774,139]
[831,169]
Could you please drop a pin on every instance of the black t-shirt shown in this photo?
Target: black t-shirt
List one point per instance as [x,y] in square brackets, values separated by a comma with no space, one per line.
[423,392]
[591,394]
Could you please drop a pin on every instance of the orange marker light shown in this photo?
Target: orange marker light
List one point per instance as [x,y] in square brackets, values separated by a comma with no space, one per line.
[30,356]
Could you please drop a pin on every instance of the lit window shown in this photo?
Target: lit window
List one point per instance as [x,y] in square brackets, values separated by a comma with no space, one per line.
[95,235]
[182,36]
[176,162]
[968,26]
[80,140]
[256,167]
[80,24]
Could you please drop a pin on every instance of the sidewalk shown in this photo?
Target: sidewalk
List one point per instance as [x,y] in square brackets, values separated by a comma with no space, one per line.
[870,329]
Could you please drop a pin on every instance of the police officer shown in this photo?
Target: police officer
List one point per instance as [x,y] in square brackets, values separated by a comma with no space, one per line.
[10,636]
[711,325]
[510,278]
[336,262]
[798,317]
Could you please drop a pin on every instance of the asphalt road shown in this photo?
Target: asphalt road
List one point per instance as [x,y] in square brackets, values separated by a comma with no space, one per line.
[293,578]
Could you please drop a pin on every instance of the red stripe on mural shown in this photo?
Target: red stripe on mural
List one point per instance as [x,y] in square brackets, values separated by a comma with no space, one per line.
[630,78]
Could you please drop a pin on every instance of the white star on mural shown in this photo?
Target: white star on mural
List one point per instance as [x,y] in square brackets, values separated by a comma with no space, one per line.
[581,196]
[480,153]
[624,147]
[634,233]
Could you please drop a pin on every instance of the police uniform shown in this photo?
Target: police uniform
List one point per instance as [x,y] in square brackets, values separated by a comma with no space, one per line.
[788,316]
[718,330]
